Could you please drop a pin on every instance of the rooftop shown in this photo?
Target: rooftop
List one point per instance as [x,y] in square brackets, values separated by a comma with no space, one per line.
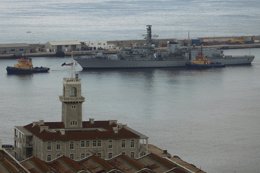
[65,42]
[14,45]
[48,131]
[8,164]
[150,163]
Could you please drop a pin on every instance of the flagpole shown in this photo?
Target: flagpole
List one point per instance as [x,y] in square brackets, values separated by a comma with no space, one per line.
[73,66]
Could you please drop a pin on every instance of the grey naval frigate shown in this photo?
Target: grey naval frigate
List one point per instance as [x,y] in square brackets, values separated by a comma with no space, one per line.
[147,56]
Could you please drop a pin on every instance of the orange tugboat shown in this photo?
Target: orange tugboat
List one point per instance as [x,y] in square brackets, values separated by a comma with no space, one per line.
[24,66]
[201,62]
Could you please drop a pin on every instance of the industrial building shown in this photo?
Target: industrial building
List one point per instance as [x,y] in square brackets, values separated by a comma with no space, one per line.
[15,48]
[63,46]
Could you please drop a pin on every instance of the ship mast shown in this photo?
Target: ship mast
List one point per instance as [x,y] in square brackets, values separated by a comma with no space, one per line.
[149,35]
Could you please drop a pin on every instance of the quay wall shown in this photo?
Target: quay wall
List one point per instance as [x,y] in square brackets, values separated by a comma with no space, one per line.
[15,50]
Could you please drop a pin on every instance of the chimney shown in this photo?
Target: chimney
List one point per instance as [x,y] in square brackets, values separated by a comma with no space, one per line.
[115,129]
[112,122]
[91,121]
[41,122]
[120,126]
[62,131]
[43,128]
[34,123]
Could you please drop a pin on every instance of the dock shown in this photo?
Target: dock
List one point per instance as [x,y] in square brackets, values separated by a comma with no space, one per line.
[81,48]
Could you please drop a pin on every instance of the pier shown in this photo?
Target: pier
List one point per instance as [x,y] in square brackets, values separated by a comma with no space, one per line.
[79,48]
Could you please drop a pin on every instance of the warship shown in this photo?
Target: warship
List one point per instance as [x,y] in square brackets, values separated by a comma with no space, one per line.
[148,56]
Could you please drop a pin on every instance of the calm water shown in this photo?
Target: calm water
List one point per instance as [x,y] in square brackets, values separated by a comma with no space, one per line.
[47,20]
[209,117]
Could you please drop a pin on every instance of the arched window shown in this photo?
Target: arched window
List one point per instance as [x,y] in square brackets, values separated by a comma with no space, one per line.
[73,92]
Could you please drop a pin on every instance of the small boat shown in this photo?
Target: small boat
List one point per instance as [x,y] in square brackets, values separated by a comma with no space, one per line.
[202,62]
[24,66]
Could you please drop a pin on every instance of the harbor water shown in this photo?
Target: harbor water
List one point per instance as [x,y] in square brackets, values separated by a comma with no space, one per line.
[84,20]
[207,117]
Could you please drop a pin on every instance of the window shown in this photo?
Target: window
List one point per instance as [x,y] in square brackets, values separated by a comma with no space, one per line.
[132,143]
[49,146]
[58,146]
[73,92]
[123,153]
[133,154]
[73,107]
[110,144]
[82,144]
[99,143]
[82,156]
[73,123]
[110,155]
[71,145]
[49,157]
[58,155]
[99,154]
[72,156]
[94,143]
[87,143]
[123,144]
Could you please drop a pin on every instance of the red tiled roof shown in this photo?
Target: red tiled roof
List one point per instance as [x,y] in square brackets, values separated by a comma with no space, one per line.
[123,161]
[9,165]
[65,164]
[156,163]
[80,134]
[34,164]
[96,163]
[119,164]
[162,161]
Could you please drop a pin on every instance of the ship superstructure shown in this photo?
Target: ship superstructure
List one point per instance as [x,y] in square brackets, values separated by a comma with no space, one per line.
[148,56]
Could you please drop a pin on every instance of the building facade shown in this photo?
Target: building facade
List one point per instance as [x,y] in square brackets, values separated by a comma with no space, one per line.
[100,45]
[75,138]
[63,46]
[15,48]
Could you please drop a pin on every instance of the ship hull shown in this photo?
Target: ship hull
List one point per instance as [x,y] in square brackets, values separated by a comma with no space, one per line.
[14,70]
[234,60]
[204,66]
[95,63]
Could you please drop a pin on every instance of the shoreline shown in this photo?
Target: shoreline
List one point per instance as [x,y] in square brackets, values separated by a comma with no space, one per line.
[13,51]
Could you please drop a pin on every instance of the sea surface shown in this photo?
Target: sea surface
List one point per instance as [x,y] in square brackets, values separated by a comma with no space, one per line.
[207,117]
[39,21]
